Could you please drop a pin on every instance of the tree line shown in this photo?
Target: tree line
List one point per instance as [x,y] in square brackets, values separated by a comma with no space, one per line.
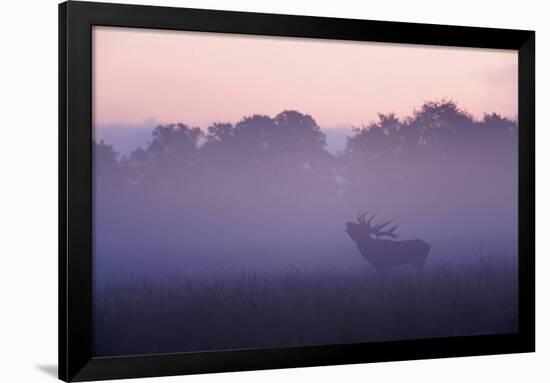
[265,165]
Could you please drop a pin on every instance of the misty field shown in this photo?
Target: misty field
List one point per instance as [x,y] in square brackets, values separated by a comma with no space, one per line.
[291,306]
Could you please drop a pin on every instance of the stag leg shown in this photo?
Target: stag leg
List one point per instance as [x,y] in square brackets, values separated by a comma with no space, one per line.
[383,274]
[419,269]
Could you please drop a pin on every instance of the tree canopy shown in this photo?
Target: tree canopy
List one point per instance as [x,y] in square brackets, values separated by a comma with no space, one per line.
[272,167]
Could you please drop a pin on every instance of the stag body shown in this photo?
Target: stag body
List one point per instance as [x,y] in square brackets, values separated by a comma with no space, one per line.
[385,254]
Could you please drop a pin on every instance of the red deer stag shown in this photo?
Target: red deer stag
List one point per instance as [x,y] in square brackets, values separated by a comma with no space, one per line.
[385,254]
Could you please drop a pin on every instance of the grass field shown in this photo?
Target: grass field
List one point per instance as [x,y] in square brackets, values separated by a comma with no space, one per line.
[291,306]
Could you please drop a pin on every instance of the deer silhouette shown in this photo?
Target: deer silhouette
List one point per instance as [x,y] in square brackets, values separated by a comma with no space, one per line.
[386,254]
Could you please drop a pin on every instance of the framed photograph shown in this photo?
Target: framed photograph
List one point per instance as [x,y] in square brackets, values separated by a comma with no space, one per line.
[246,191]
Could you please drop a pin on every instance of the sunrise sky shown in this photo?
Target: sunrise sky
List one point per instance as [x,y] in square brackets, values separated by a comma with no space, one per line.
[199,78]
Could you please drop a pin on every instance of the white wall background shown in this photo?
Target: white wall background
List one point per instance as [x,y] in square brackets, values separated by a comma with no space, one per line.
[28,191]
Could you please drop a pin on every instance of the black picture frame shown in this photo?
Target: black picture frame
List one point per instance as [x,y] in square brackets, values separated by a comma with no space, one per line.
[75,198]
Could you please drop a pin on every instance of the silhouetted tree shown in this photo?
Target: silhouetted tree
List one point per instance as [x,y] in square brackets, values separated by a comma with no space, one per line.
[107,171]
[168,158]
[380,139]
[279,171]
[441,147]
[263,154]
[438,124]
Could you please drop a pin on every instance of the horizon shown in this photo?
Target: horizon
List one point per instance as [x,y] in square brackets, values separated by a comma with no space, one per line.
[128,137]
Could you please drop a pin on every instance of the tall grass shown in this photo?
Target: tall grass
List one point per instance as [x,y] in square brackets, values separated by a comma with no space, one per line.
[292,306]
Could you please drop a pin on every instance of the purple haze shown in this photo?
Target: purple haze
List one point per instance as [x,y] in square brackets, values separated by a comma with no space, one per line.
[235,237]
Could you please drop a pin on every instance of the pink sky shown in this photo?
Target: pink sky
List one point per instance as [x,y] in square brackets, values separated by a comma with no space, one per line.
[200,78]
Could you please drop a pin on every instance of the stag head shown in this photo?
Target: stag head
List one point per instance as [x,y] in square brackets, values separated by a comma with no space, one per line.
[365,229]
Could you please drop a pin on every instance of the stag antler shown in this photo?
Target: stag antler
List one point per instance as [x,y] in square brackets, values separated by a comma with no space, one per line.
[377,229]
[390,232]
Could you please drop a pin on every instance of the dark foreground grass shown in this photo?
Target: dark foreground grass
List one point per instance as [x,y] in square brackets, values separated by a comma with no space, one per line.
[292,307]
